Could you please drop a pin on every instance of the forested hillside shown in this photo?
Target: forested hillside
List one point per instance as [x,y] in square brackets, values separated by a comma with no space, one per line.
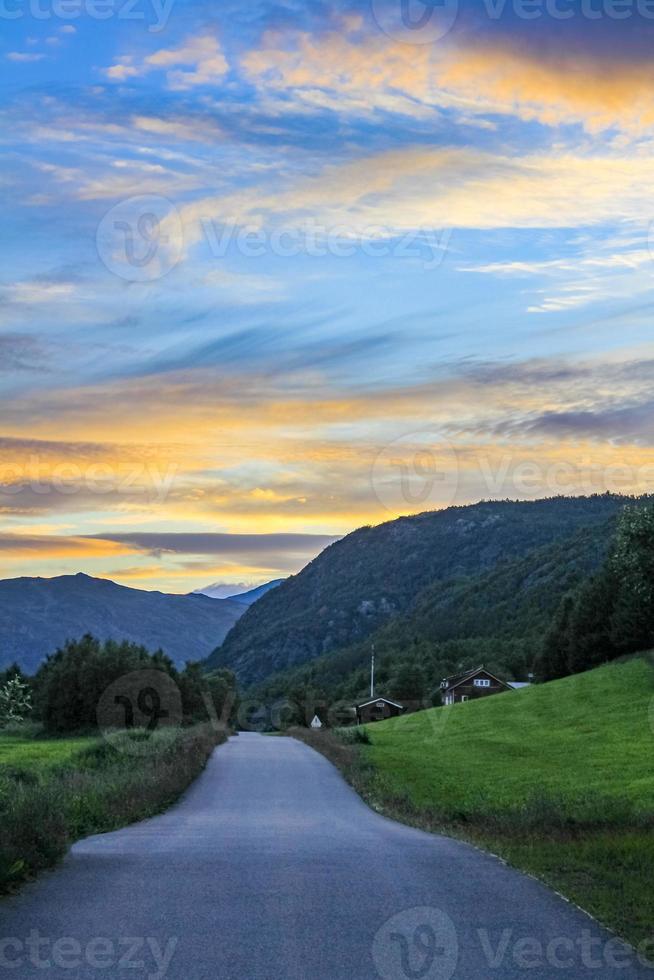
[498,618]
[376,574]
[611,612]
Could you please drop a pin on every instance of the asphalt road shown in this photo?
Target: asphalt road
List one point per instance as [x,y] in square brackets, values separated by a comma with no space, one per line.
[271,868]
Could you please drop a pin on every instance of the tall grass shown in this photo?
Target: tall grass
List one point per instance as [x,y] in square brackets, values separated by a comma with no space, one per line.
[105,786]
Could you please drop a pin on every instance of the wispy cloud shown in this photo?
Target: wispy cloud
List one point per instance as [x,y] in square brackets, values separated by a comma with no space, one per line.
[25,57]
[579,280]
[197,61]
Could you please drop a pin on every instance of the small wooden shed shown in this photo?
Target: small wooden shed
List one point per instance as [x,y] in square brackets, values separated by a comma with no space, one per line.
[377,709]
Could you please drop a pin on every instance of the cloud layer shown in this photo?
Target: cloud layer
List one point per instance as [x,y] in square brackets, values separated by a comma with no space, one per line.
[271,274]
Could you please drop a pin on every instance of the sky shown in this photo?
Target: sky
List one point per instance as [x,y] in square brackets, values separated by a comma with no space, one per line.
[273,271]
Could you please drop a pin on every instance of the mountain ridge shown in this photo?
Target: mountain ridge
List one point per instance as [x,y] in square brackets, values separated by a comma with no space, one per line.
[498,617]
[359,583]
[39,614]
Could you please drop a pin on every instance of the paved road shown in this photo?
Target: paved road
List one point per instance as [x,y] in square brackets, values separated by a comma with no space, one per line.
[271,868]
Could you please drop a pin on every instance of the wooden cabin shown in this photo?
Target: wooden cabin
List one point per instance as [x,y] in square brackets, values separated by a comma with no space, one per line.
[377,709]
[470,684]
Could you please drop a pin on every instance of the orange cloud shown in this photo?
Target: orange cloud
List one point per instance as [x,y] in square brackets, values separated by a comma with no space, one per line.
[552,88]
[348,72]
[54,546]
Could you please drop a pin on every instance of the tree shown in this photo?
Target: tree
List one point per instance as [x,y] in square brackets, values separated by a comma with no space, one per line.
[11,672]
[409,683]
[15,701]
[589,632]
[632,621]
[613,611]
[552,660]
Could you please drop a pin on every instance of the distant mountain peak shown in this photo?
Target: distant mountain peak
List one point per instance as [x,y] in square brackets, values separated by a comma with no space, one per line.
[245,596]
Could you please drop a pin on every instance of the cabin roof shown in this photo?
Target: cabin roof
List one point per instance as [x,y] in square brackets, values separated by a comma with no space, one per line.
[386,700]
[456,679]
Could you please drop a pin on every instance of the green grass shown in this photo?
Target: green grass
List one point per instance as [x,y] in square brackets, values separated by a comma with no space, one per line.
[23,752]
[572,741]
[558,779]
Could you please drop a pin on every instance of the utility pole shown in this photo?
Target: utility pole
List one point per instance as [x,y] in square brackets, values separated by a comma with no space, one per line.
[372,672]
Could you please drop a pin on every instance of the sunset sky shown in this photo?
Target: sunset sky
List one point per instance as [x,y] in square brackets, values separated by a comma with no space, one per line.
[272,271]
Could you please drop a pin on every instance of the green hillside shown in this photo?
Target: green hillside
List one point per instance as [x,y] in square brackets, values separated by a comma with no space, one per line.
[557,778]
[574,740]
[376,574]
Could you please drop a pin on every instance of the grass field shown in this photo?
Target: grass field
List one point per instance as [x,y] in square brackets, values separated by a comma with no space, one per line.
[572,742]
[557,778]
[34,753]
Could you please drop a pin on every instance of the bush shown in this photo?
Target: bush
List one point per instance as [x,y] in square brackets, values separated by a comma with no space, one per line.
[15,701]
[355,735]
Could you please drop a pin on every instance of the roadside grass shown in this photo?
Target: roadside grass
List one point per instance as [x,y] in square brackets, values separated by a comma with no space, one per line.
[70,788]
[557,779]
[23,751]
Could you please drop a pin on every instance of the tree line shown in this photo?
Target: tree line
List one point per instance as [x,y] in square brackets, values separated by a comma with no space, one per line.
[68,688]
[611,614]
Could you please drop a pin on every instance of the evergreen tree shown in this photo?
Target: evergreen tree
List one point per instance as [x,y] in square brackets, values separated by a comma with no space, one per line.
[589,632]
[552,660]
[632,622]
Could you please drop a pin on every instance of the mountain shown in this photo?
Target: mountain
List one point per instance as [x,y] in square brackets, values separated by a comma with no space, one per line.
[246,596]
[222,590]
[37,615]
[376,574]
[497,617]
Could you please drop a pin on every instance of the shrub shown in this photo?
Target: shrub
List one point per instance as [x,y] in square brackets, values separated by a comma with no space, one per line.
[15,701]
[354,735]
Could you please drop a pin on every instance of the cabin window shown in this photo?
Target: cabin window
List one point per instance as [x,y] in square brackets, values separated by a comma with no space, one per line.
[482,682]
[464,697]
